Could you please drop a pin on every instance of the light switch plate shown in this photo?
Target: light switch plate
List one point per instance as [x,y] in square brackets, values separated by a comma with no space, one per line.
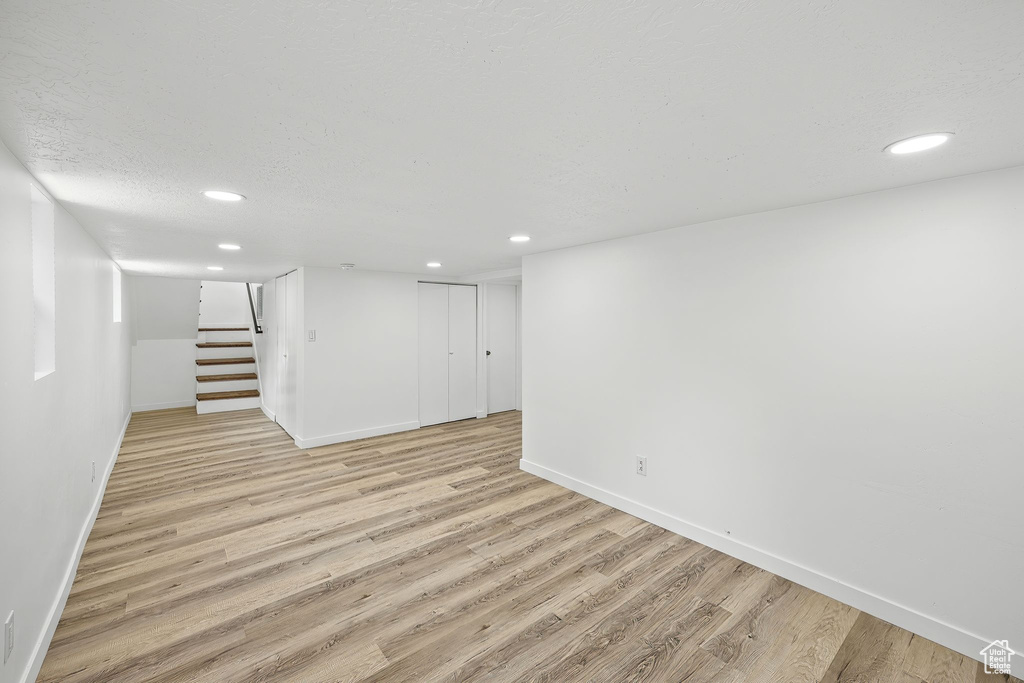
[311,335]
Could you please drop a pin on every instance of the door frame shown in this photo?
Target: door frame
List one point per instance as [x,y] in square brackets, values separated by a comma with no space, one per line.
[516,400]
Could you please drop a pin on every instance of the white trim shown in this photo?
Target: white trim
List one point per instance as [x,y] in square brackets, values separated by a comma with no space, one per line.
[482,374]
[266,411]
[35,660]
[509,274]
[480,414]
[163,406]
[933,629]
[357,434]
[519,346]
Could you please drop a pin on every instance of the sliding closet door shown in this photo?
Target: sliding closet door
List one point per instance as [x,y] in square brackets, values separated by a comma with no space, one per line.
[433,354]
[461,352]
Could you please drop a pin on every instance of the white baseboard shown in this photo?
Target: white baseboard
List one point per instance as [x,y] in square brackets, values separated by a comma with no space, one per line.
[935,630]
[481,414]
[269,413]
[163,406]
[35,661]
[357,434]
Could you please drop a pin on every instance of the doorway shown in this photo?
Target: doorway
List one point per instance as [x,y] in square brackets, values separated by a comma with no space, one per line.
[502,347]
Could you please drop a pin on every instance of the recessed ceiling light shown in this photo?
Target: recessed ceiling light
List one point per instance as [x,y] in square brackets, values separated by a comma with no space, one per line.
[347,266]
[519,238]
[224,196]
[229,247]
[918,143]
[214,268]
[433,264]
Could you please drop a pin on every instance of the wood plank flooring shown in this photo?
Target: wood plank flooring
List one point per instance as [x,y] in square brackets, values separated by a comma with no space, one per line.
[224,553]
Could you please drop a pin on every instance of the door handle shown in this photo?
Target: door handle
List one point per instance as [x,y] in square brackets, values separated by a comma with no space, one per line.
[451,353]
[488,353]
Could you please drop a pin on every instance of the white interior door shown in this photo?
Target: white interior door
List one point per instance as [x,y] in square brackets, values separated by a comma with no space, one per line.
[461,352]
[501,348]
[281,330]
[433,353]
[288,344]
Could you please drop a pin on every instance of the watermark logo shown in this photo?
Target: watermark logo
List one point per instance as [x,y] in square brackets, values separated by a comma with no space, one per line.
[997,657]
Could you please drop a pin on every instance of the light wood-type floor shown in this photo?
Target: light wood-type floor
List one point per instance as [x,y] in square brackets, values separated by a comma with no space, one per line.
[224,553]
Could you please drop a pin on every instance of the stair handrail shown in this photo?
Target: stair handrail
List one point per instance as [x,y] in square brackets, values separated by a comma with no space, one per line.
[256,326]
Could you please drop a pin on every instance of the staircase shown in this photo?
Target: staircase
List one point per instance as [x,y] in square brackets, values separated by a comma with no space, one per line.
[226,376]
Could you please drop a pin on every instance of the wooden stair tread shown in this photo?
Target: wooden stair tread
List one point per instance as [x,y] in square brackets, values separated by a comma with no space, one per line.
[224,361]
[226,378]
[223,329]
[221,395]
[221,345]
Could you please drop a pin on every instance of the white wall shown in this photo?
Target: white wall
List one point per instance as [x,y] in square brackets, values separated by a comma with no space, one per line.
[832,391]
[164,332]
[54,428]
[164,308]
[359,377]
[224,304]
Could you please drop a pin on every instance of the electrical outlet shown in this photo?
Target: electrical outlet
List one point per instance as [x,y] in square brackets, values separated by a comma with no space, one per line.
[8,636]
[94,470]
[641,465]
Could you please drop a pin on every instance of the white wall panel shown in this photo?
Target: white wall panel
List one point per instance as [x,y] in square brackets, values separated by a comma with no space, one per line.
[359,377]
[224,304]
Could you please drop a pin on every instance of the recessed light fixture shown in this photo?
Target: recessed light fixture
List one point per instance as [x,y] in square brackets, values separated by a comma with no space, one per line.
[918,143]
[214,268]
[223,195]
[433,264]
[519,238]
[229,247]
[347,266]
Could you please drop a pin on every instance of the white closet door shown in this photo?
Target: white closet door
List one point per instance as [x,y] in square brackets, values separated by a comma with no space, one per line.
[501,345]
[288,303]
[281,330]
[433,353]
[461,352]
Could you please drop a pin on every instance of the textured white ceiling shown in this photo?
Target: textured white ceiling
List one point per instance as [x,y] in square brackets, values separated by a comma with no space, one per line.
[392,133]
